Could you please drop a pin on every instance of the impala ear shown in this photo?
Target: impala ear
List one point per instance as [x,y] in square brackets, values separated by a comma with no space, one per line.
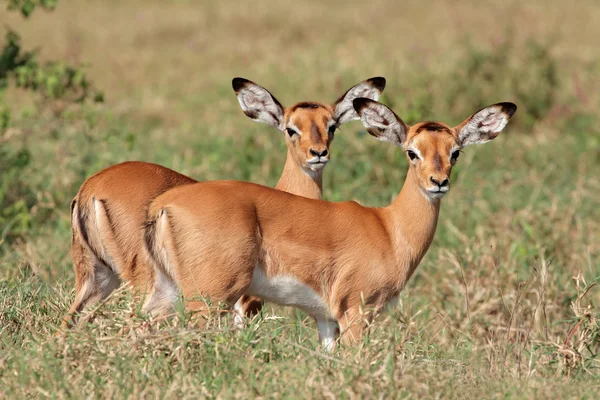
[380,121]
[485,124]
[370,89]
[257,103]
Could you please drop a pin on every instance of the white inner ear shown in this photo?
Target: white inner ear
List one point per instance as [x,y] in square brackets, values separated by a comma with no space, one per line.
[377,117]
[344,111]
[492,120]
[489,120]
[381,118]
[259,105]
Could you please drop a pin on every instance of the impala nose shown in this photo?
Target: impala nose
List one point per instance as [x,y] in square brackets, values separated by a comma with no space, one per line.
[437,182]
[316,153]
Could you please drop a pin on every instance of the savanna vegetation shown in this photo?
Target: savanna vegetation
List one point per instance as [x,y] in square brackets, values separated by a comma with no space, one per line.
[505,303]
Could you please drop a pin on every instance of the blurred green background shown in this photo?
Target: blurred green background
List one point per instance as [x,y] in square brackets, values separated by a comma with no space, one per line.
[502,305]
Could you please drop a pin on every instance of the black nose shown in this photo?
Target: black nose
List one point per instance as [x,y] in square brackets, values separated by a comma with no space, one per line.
[317,154]
[444,182]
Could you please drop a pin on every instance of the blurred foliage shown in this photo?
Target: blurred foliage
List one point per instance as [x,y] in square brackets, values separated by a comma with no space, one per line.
[11,57]
[524,72]
[51,80]
[16,199]
[26,7]
[493,73]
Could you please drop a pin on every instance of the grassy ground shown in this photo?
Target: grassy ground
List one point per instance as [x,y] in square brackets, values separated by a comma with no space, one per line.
[504,305]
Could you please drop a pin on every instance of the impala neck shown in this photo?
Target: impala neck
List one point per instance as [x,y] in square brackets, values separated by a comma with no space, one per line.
[299,182]
[413,220]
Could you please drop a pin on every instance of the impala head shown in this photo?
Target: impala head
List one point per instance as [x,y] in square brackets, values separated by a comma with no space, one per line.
[308,127]
[433,147]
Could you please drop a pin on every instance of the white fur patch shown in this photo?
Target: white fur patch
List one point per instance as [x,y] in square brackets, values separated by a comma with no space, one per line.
[166,292]
[287,290]
[327,330]
[295,128]
[238,314]
[161,227]
[416,151]
[99,211]
[103,279]
[314,175]
[164,295]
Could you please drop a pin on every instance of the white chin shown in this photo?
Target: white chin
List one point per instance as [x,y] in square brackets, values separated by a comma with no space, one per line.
[317,167]
[436,195]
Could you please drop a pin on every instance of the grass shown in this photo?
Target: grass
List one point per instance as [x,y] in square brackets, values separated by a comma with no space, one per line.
[504,305]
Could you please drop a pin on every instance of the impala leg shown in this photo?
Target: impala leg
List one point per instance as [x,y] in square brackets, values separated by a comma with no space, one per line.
[246,306]
[163,297]
[204,313]
[238,314]
[94,281]
[327,331]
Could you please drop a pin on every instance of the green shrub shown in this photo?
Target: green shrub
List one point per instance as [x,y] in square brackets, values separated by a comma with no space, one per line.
[51,80]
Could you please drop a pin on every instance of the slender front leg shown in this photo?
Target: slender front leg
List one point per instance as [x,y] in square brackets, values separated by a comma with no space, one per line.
[162,298]
[327,331]
[246,306]
[95,281]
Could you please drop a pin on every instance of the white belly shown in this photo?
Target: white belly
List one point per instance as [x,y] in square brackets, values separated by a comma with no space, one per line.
[289,291]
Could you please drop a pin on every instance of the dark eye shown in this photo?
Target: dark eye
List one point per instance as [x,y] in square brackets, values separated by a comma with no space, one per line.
[332,129]
[455,155]
[290,132]
[411,154]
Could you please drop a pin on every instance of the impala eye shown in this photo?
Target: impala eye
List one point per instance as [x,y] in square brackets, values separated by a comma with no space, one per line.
[412,155]
[332,129]
[455,155]
[290,132]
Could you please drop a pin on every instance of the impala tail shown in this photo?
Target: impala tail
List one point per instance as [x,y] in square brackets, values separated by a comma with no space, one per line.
[98,231]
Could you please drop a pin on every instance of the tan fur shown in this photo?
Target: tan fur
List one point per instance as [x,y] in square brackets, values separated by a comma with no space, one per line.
[355,258]
[312,122]
[107,224]
[299,181]
[109,211]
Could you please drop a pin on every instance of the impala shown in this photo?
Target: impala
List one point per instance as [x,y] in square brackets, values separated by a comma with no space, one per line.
[108,212]
[339,262]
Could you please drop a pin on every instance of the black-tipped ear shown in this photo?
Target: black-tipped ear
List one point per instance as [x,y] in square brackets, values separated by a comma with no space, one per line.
[509,108]
[378,83]
[257,103]
[370,89]
[381,122]
[239,83]
[360,103]
[485,125]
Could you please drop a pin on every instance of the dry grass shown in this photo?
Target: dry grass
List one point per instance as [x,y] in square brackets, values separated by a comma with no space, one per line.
[505,302]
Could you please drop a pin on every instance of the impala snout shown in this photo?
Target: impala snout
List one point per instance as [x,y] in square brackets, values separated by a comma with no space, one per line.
[317,158]
[436,181]
[440,186]
[317,153]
